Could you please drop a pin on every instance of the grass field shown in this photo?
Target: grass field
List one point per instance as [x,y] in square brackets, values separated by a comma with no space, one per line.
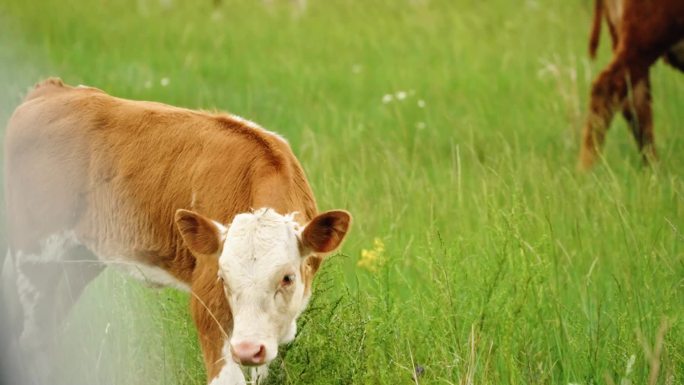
[449,128]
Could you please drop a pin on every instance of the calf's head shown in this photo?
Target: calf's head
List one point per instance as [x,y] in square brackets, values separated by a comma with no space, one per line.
[266,262]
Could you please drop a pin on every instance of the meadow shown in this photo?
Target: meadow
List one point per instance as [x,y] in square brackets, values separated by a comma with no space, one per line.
[450,130]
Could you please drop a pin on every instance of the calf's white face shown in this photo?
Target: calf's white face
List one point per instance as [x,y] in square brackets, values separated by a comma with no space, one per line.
[261,258]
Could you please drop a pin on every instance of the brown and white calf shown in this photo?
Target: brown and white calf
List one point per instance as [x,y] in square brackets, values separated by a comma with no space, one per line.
[93,180]
[642,31]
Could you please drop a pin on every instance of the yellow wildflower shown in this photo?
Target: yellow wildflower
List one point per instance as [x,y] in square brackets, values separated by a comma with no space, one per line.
[374,258]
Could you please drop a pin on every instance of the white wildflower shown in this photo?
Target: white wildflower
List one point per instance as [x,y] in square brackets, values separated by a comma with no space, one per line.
[630,364]
[387,98]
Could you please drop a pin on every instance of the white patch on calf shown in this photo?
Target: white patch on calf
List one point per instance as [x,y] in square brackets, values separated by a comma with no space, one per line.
[193,200]
[28,295]
[291,333]
[52,249]
[260,248]
[255,126]
[231,373]
[148,274]
[54,246]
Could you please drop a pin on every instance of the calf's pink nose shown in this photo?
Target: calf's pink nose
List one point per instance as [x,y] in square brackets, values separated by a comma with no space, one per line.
[248,353]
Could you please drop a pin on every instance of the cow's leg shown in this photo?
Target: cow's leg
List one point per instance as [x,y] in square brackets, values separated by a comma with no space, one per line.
[211,313]
[221,369]
[607,95]
[12,364]
[11,308]
[47,283]
[637,111]
[229,374]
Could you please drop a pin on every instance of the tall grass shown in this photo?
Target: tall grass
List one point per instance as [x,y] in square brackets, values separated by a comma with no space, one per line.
[449,129]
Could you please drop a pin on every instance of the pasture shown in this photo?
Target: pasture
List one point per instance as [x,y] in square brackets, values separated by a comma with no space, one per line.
[450,130]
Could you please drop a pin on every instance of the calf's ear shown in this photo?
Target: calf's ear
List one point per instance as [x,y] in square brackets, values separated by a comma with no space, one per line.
[325,232]
[202,235]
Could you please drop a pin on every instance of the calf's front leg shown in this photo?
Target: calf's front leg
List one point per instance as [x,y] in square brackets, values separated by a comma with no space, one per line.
[637,111]
[212,315]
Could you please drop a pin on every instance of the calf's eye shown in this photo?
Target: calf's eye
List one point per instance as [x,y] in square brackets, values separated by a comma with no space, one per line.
[288,280]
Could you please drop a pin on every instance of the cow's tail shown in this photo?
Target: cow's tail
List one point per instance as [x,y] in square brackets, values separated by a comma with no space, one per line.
[595,36]
[44,87]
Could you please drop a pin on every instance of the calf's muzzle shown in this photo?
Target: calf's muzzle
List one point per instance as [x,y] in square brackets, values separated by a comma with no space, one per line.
[248,353]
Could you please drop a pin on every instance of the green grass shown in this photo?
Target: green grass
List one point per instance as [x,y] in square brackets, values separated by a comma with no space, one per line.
[501,264]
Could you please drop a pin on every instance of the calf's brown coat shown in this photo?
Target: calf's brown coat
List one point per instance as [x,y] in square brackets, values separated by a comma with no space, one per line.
[115,171]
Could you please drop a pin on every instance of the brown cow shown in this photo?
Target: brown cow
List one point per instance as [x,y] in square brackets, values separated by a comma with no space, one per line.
[93,180]
[641,31]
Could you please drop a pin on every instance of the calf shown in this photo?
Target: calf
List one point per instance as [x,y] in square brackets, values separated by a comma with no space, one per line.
[94,180]
[641,31]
